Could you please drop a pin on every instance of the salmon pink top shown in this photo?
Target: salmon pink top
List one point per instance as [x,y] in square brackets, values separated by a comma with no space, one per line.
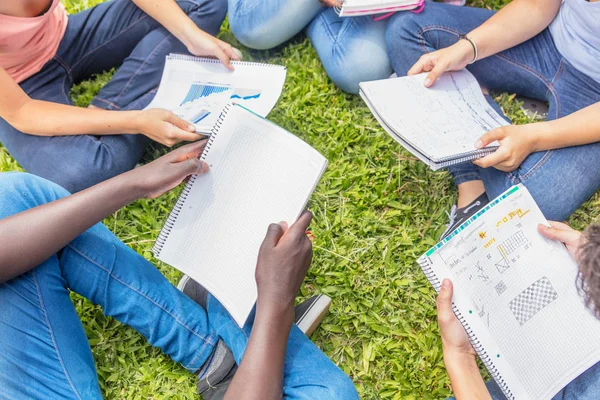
[26,44]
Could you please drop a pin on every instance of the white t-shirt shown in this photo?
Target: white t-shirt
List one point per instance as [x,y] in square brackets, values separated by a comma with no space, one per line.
[576,33]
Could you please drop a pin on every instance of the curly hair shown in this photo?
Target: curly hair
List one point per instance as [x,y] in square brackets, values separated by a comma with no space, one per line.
[589,268]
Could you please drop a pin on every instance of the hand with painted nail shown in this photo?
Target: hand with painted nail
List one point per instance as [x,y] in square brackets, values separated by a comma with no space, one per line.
[516,143]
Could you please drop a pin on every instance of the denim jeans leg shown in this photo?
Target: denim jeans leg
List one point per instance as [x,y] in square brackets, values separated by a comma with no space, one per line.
[264,24]
[44,352]
[308,373]
[352,50]
[99,267]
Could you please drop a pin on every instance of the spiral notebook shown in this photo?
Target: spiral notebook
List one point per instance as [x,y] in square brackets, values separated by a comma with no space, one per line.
[259,174]
[439,125]
[354,8]
[515,294]
[196,88]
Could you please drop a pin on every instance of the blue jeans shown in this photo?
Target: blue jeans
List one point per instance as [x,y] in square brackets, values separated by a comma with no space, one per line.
[98,39]
[44,352]
[352,50]
[559,180]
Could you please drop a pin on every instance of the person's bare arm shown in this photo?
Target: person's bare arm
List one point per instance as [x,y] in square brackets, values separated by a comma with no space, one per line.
[518,141]
[43,118]
[517,22]
[283,261]
[171,16]
[459,356]
[29,238]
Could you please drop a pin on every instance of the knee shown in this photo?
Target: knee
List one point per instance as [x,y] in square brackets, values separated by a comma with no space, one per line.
[253,28]
[358,64]
[338,386]
[20,191]
[253,37]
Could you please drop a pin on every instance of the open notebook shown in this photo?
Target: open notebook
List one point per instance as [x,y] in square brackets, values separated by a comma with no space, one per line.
[259,174]
[515,293]
[354,8]
[197,89]
[439,125]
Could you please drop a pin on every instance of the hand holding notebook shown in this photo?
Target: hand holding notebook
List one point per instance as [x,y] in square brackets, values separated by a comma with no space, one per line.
[259,174]
[439,125]
[515,294]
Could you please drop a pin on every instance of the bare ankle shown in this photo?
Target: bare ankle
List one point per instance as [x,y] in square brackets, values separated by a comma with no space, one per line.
[469,191]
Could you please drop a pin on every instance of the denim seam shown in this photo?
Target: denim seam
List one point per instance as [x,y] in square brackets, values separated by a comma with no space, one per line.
[110,274]
[150,55]
[559,72]
[537,165]
[327,27]
[110,103]
[37,289]
[118,35]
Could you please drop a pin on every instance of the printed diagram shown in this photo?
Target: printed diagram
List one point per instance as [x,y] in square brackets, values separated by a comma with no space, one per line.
[533,299]
[201,90]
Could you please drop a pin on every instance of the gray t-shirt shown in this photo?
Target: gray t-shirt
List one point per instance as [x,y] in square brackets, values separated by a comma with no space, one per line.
[576,33]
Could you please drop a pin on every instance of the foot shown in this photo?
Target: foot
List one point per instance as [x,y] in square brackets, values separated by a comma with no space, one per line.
[458,216]
[310,313]
[221,361]
[213,380]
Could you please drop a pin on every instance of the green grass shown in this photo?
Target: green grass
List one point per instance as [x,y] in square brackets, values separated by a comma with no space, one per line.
[376,210]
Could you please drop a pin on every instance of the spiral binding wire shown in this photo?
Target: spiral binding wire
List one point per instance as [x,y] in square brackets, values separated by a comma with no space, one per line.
[481,352]
[168,227]
[464,157]
[185,57]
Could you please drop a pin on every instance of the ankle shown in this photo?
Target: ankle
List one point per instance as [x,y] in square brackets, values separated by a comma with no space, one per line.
[469,191]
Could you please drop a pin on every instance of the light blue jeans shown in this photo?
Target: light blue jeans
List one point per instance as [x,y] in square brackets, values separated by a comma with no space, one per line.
[44,353]
[559,180]
[352,50]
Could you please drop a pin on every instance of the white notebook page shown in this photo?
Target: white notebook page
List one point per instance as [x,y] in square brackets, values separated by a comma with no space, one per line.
[517,292]
[259,174]
[441,121]
[198,88]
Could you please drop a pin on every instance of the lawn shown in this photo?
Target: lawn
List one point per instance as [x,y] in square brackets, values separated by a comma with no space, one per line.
[376,210]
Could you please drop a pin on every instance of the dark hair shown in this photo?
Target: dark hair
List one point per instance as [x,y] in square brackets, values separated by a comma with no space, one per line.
[589,268]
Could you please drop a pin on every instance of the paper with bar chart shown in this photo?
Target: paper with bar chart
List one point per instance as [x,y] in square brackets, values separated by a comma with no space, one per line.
[197,89]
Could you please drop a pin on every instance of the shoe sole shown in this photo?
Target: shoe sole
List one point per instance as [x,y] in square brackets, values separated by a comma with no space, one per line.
[311,319]
[182,282]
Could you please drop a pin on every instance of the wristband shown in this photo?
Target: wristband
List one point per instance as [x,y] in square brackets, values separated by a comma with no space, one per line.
[475,51]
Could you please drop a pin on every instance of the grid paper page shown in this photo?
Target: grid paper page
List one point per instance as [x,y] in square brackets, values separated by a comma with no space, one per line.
[517,291]
[441,121]
[197,89]
[259,174]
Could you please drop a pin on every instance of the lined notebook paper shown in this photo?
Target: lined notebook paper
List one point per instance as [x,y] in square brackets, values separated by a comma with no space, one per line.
[196,88]
[439,125]
[259,174]
[515,293]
